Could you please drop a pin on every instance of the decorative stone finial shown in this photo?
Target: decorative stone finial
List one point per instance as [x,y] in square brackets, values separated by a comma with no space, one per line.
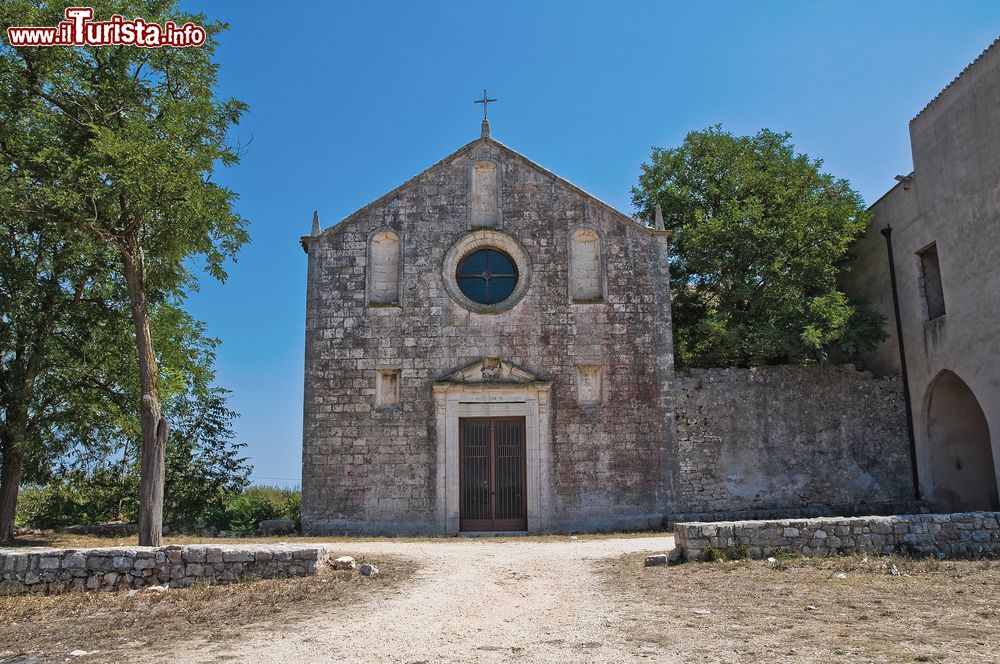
[659,219]
[486,129]
[316,229]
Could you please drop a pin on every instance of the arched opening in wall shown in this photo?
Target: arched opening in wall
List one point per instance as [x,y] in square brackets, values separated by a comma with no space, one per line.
[958,439]
[586,279]
[383,269]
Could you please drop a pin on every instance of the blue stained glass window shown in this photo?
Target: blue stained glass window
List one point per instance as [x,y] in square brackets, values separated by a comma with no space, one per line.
[487,276]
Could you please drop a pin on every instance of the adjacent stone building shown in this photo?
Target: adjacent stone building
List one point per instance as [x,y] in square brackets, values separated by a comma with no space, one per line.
[488,347]
[945,233]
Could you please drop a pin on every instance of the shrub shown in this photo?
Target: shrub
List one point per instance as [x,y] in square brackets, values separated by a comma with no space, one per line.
[28,501]
[292,507]
[246,510]
[97,497]
[78,497]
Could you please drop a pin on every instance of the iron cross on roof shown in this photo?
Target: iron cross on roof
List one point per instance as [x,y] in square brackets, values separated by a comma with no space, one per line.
[485,101]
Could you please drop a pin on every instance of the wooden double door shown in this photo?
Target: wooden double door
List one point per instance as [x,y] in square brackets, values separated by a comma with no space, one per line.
[492,474]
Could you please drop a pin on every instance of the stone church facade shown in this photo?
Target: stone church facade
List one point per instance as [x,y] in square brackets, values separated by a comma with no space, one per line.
[488,348]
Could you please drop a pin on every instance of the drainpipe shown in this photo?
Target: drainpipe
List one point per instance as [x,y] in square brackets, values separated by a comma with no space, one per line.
[887,233]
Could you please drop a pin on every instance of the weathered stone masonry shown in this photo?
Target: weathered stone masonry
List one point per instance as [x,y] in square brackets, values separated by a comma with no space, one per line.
[377,469]
[582,348]
[966,534]
[790,441]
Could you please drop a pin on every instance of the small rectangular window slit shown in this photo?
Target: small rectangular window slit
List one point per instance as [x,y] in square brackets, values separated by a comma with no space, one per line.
[931,290]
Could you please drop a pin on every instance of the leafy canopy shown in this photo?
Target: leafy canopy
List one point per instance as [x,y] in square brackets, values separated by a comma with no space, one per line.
[110,153]
[761,235]
[124,141]
[57,322]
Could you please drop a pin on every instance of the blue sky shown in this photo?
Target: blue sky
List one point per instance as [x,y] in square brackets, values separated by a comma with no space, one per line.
[348,100]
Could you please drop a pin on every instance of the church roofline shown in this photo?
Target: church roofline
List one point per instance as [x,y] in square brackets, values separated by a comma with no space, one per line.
[900,183]
[610,208]
[940,95]
[955,80]
[308,239]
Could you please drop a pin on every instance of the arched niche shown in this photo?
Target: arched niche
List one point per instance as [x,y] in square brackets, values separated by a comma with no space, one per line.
[383,269]
[485,203]
[586,269]
[959,454]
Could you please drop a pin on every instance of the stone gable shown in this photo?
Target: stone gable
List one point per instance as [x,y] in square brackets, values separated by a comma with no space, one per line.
[599,464]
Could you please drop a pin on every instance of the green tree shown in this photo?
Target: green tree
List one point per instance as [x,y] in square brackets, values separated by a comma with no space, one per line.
[204,466]
[132,139]
[204,472]
[55,329]
[201,462]
[68,386]
[760,236]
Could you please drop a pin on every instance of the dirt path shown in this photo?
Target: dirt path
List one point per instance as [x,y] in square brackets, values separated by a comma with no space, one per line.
[473,600]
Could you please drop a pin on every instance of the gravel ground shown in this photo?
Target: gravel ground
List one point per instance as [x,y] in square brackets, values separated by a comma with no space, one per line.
[471,600]
[537,599]
[116,627]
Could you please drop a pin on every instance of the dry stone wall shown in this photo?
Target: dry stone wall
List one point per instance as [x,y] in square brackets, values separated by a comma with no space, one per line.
[790,441]
[966,534]
[45,570]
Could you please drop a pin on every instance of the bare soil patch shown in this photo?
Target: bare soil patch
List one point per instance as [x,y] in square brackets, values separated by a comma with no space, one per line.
[850,609]
[36,628]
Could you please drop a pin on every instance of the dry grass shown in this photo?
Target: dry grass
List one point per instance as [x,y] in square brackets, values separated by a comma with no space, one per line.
[849,609]
[67,541]
[36,628]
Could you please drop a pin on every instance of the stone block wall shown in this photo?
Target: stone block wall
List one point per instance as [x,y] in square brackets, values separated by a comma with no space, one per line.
[371,469]
[790,441]
[966,534]
[45,570]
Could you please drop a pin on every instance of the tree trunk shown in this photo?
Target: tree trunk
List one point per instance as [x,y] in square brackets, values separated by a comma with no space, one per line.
[10,482]
[154,427]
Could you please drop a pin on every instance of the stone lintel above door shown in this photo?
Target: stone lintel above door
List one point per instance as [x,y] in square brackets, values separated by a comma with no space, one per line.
[491,370]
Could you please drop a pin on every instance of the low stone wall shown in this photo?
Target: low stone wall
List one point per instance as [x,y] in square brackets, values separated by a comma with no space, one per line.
[773,514]
[45,570]
[951,535]
[789,441]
